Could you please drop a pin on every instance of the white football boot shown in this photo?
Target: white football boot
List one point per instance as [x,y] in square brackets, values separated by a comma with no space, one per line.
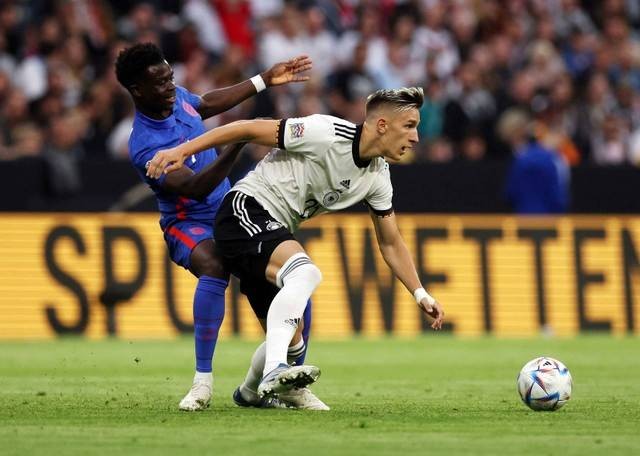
[284,378]
[256,401]
[199,396]
[302,398]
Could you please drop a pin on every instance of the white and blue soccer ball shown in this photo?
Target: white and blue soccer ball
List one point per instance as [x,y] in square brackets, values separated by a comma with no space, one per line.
[545,384]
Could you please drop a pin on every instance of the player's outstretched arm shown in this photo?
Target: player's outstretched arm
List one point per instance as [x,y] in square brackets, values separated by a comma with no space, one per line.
[185,182]
[257,131]
[220,100]
[397,256]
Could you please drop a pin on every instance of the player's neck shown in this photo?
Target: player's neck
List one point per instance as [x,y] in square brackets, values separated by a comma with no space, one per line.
[155,115]
[370,146]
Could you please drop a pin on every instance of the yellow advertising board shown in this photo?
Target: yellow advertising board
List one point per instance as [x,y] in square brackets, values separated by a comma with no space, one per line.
[109,274]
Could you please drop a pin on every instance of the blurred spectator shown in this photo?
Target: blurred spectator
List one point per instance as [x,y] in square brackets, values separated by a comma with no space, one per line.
[27,141]
[15,112]
[320,43]
[598,102]
[440,151]
[236,19]
[350,86]
[141,18]
[471,105]
[432,112]
[7,61]
[207,24]
[283,40]
[538,179]
[473,147]
[556,120]
[434,37]
[118,140]
[610,142]
[574,65]
[369,30]
[62,153]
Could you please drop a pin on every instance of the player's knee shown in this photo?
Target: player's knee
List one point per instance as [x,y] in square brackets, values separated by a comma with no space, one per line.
[208,265]
[307,274]
[313,274]
[299,268]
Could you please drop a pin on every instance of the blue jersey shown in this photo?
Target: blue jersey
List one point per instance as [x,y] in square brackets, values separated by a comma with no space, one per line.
[538,181]
[149,136]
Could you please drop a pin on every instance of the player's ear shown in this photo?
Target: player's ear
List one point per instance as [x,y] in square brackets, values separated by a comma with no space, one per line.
[135,90]
[381,125]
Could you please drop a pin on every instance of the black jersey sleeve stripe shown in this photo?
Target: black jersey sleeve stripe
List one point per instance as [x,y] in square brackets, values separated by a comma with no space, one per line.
[281,126]
[345,127]
[343,135]
[345,132]
[379,212]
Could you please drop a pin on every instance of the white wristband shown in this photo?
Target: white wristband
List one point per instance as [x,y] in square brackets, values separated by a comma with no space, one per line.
[420,294]
[258,83]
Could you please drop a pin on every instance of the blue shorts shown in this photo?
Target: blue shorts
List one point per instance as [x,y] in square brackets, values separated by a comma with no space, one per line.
[182,237]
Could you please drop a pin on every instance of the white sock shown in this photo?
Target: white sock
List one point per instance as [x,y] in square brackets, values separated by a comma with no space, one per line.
[295,350]
[298,278]
[203,377]
[254,374]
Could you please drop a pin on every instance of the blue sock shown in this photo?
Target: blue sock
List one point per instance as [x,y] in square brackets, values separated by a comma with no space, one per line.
[306,317]
[208,313]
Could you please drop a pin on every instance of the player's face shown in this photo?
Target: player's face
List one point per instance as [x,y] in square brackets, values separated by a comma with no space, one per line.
[401,135]
[157,90]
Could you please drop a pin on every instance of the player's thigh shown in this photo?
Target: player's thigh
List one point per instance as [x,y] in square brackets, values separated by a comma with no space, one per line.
[279,257]
[259,293]
[206,261]
[186,237]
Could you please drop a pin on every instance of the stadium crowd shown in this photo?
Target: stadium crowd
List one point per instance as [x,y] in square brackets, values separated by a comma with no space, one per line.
[566,72]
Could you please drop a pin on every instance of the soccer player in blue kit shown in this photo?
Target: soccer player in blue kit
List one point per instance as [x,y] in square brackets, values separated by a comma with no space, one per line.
[167,115]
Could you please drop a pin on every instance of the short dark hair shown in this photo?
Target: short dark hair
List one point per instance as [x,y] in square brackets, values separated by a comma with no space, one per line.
[399,99]
[133,61]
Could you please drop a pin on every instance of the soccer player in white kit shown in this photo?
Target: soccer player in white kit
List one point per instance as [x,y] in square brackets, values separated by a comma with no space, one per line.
[321,164]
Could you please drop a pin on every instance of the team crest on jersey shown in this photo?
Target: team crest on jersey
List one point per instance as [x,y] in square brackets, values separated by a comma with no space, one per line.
[296,129]
[330,198]
[196,230]
[189,109]
[272,225]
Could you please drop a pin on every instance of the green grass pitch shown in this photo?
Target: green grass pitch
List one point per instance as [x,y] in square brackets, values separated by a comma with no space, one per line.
[433,395]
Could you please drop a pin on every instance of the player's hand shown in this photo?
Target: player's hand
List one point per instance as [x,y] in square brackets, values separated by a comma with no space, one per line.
[434,313]
[165,161]
[289,71]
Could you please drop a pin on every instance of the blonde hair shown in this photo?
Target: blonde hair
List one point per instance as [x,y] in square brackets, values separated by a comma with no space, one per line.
[401,99]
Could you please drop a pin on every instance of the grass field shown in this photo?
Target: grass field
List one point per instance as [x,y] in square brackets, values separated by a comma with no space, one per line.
[433,395]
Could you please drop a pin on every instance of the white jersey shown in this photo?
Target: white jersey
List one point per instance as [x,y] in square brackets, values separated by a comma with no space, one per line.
[317,169]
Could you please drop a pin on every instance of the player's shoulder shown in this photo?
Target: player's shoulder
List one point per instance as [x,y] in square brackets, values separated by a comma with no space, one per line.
[337,128]
[325,120]
[142,140]
[332,121]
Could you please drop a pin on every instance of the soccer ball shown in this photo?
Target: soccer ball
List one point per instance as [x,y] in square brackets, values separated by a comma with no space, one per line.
[545,384]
